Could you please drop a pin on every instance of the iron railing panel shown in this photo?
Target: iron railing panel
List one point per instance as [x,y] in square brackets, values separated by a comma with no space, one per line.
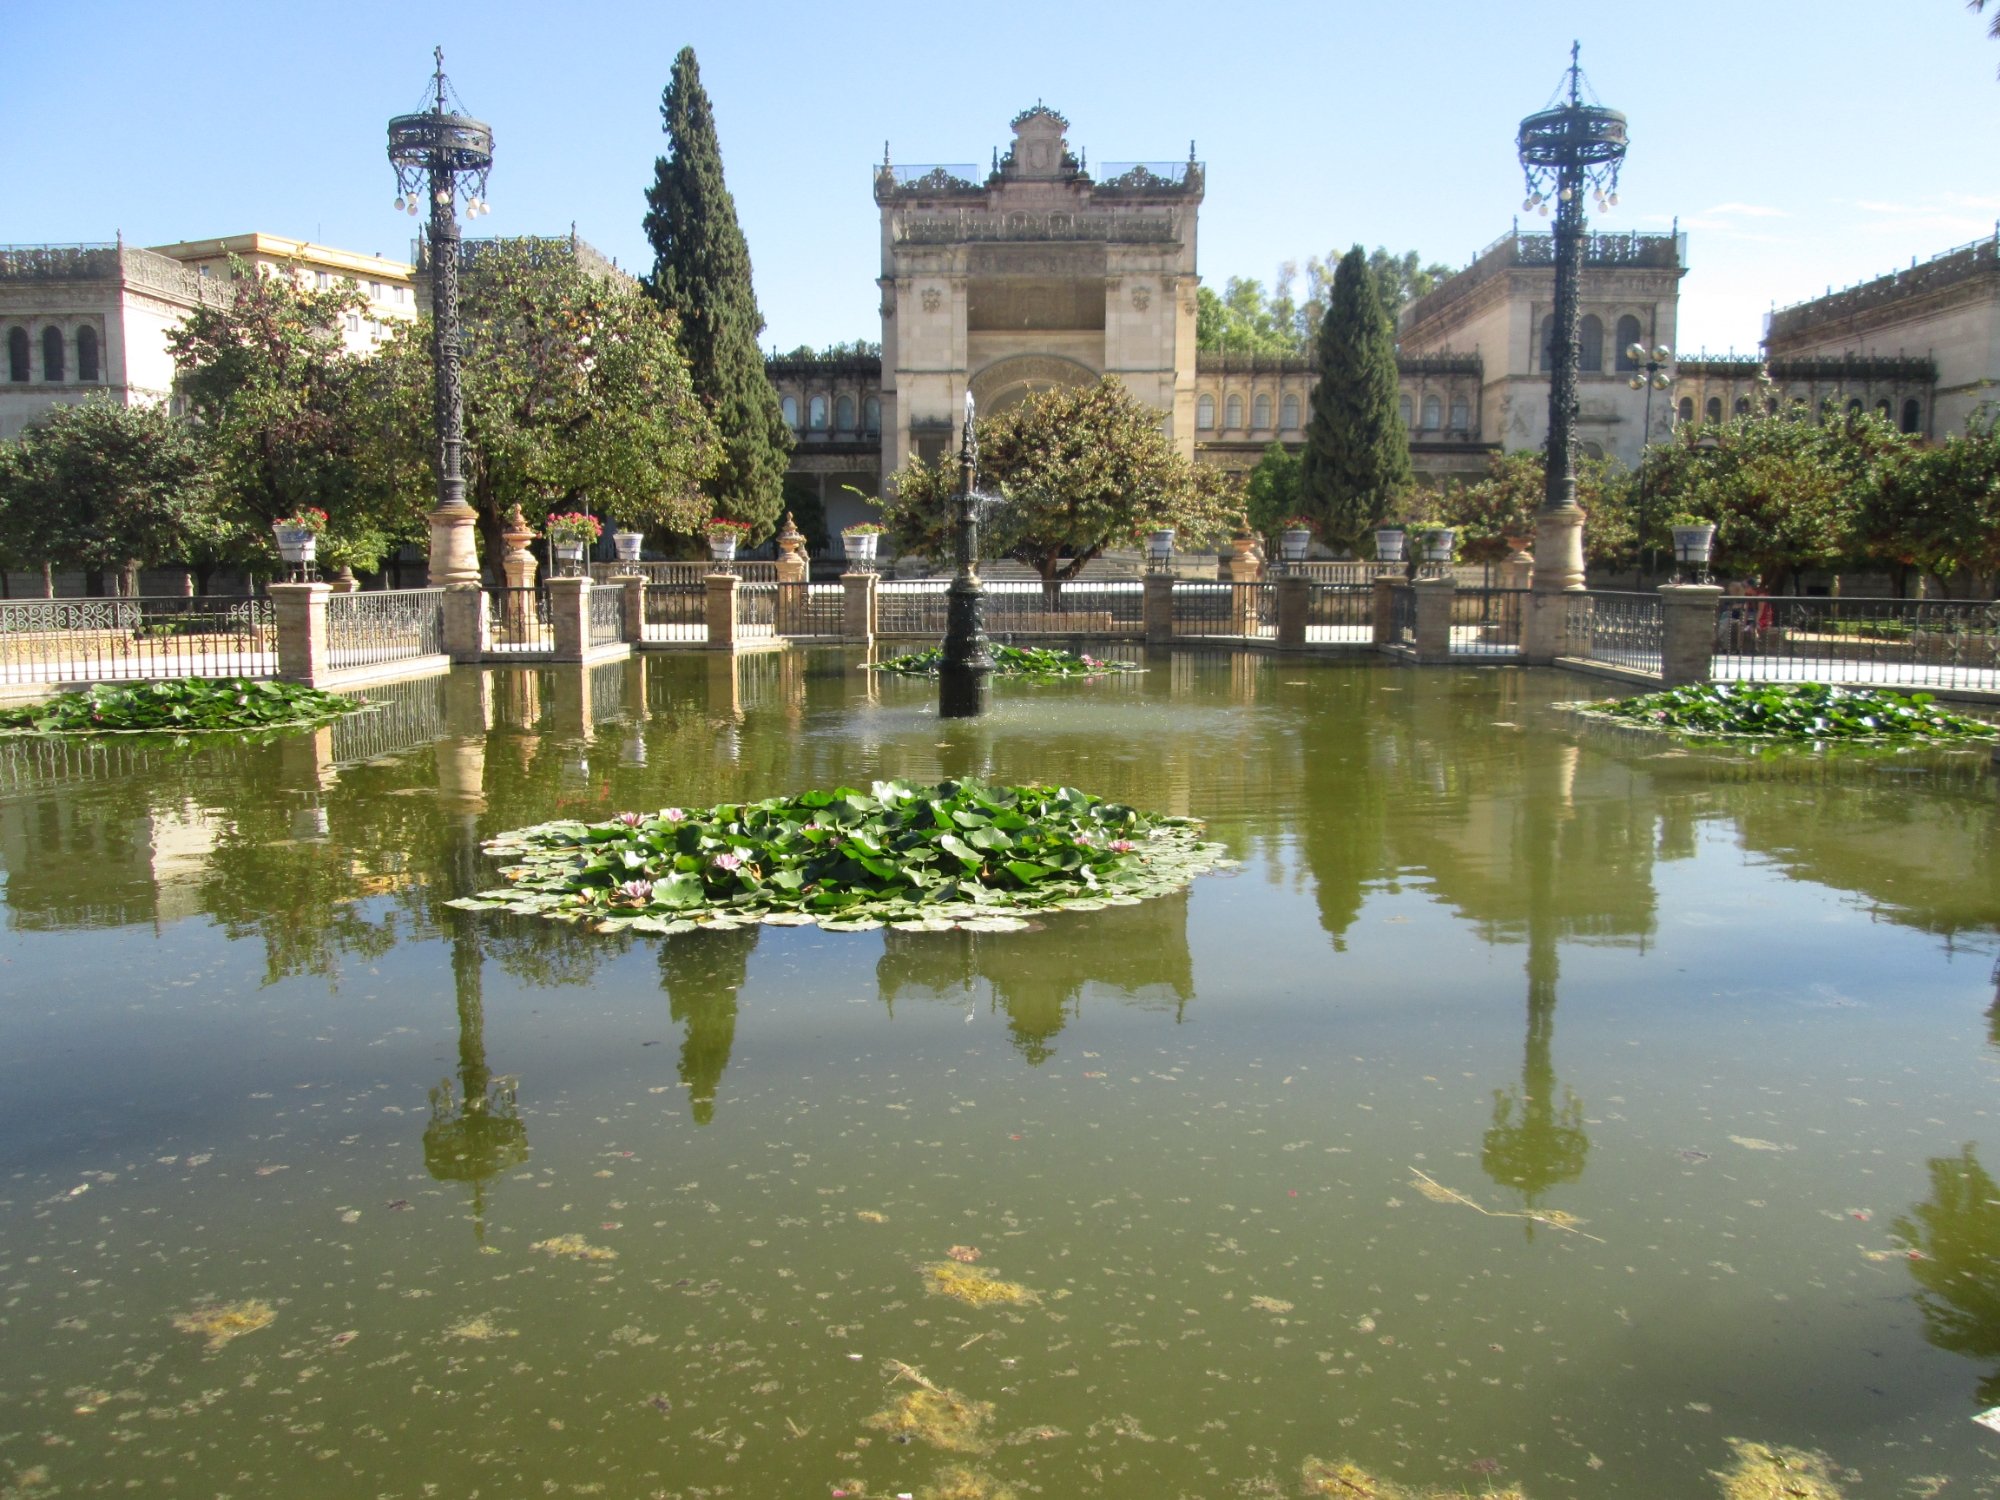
[1891,643]
[1617,629]
[607,615]
[519,621]
[136,639]
[676,611]
[369,629]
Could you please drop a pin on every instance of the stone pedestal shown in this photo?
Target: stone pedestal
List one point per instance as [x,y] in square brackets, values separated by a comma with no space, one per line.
[1294,599]
[1158,609]
[858,609]
[299,610]
[793,565]
[1688,613]
[1435,598]
[467,628]
[454,554]
[634,585]
[721,611]
[1558,560]
[1383,615]
[569,617]
[344,582]
[519,568]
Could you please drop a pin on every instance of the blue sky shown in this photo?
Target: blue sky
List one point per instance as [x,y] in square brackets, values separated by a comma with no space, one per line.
[1800,145]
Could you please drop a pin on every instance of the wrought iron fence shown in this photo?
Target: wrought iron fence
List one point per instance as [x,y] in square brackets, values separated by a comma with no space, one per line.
[607,615]
[1238,610]
[607,691]
[400,716]
[1072,609]
[812,609]
[1943,643]
[676,611]
[1340,613]
[367,629]
[33,763]
[519,621]
[910,607]
[682,572]
[1618,629]
[112,640]
[1487,622]
[756,611]
[1403,616]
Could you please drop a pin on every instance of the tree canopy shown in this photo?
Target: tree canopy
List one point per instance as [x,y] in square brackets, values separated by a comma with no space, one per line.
[701,274]
[1081,469]
[1245,318]
[1357,455]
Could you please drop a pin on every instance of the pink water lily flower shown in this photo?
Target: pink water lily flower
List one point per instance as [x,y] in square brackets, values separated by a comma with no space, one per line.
[637,892]
[630,820]
[1121,846]
[729,861]
[673,814]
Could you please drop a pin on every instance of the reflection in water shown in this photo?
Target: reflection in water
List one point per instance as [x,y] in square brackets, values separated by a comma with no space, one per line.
[1039,977]
[701,973]
[1955,1239]
[475,1133]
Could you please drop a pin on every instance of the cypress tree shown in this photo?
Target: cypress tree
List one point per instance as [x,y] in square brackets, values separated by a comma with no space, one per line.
[1357,454]
[701,273]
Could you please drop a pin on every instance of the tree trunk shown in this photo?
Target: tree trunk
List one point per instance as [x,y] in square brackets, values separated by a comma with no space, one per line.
[131,582]
[48,580]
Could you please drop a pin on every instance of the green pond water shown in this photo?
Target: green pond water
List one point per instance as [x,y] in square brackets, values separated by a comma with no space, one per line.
[1537,1105]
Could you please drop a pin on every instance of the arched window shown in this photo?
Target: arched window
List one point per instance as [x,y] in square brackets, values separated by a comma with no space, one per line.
[1687,408]
[1592,450]
[1913,415]
[17,355]
[789,406]
[1232,413]
[1549,342]
[1628,335]
[843,414]
[1260,413]
[1461,414]
[816,413]
[1433,414]
[1204,414]
[871,414]
[1742,406]
[1405,411]
[52,354]
[1882,409]
[86,355]
[1288,414]
[1854,406]
[1590,346]
[1714,409]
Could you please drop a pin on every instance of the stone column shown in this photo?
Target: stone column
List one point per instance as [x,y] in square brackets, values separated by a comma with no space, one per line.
[858,609]
[518,566]
[467,629]
[1688,612]
[1158,609]
[1294,599]
[794,572]
[721,611]
[569,615]
[454,554]
[1384,620]
[300,612]
[1435,597]
[634,585]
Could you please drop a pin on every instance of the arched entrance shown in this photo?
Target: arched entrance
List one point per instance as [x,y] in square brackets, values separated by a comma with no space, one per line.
[1008,382]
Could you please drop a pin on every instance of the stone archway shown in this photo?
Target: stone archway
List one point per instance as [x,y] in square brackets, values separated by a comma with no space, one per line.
[1008,382]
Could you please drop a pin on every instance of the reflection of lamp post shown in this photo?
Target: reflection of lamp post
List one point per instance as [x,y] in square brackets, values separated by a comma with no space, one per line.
[1563,151]
[436,154]
[1653,376]
[967,664]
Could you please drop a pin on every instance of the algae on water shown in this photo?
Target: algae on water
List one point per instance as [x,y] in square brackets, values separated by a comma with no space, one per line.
[1763,1471]
[573,1247]
[974,1284]
[943,1418]
[1348,1481]
[221,1322]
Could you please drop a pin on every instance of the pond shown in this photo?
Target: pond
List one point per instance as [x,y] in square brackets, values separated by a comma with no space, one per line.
[1536,1105]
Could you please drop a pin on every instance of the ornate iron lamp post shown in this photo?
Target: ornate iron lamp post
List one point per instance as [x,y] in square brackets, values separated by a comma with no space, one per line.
[967,664]
[438,155]
[1654,374]
[1565,150]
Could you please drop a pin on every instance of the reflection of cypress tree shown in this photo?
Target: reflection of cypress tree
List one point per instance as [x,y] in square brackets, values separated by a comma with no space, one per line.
[476,1134]
[1038,977]
[1957,1229]
[701,973]
[1342,837]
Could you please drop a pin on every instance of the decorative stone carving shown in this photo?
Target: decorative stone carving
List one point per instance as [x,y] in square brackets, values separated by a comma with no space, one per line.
[933,299]
[1142,297]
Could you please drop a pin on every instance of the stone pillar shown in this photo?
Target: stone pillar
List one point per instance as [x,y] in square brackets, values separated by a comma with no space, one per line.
[793,566]
[467,629]
[454,554]
[300,612]
[1158,609]
[1688,612]
[518,566]
[1245,563]
[858,609]
[1559,549]
[1547,620]
[569,617]
[1518,571]
[634,585]
[1294,599]
[1435,598]
[1384,620]
[721,610]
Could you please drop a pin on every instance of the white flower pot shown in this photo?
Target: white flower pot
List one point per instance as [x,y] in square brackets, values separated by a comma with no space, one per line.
[1389,544]
[628,544]
[298,545]
[1293,545]
[1693,544]
[1437,545]
[1160,546]
[722,549]
[860,545]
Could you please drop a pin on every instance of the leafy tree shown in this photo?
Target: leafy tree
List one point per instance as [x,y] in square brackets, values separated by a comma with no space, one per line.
[98,485]
[1993,28]
[1272,490]
[701,273]
[288,419]
[1081,469]
[1499,507]
[576,395]
[1357,452]
[1243,320]
[1400,279]
[1937,508]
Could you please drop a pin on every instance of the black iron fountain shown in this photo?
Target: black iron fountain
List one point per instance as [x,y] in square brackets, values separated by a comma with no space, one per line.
[967,665]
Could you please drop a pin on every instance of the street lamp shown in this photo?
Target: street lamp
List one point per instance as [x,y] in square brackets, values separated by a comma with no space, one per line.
[437,156]
[1565,150]
[1653,375]
[967,663]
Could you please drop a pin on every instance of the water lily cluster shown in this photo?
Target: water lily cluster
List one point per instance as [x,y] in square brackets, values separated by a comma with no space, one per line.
[188,705]
[926,858]
[1011,661]
[1807,711]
